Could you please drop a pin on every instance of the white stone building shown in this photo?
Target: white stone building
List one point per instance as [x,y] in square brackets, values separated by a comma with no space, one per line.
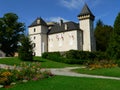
[63,36]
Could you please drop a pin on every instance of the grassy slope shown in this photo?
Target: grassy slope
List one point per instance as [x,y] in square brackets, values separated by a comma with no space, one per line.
[44,63]
[68,83]
[114,72]
[10,61]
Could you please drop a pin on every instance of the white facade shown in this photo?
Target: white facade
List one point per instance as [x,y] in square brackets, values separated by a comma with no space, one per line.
[63,41]
[88,34]
[38,37]
[52,37]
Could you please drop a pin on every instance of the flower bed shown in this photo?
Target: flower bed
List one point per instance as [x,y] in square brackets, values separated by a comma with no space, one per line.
[22,73]
[101,64]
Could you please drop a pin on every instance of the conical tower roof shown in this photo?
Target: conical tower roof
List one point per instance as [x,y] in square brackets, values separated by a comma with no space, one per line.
[85,11]
[38,21]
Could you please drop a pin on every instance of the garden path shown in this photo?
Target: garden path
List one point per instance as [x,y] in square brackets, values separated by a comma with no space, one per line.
[67,72]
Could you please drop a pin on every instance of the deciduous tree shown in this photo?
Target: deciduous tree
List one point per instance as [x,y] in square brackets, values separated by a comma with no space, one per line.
[11,31]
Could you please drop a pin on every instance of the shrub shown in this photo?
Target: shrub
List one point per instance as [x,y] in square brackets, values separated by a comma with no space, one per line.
[23,73]
[100,55]
[6,78]
[118,62]
[72,54]
[56,56]
[102,64]
[75,56]
[45,55]
[82,55]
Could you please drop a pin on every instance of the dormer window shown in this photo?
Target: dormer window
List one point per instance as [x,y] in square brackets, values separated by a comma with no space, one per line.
[38,21]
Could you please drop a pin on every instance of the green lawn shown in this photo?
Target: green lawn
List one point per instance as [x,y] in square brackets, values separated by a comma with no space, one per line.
[44,63]
[64,82]
[114,72]
[68,83]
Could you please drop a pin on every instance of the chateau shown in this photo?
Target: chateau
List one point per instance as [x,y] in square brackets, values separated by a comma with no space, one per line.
[63,36]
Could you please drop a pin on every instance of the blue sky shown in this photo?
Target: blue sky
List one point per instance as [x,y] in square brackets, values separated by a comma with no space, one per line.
[53,10]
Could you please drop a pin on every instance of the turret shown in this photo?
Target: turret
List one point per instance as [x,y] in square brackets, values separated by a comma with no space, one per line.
[38,34]
[86,19]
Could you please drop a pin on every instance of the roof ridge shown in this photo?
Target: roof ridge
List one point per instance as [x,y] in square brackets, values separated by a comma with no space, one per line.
[38,21]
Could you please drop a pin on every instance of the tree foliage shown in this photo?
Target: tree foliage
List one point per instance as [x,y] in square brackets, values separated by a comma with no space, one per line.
[117,25]
[102,35]
[26,49]
[10,32]
[114,45]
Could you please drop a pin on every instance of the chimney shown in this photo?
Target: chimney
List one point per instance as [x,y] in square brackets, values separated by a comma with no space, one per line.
[61,22]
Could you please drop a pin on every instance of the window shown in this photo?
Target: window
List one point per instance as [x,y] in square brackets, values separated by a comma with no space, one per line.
[34,45]
[38,21]
[34,30]
[66,27]
[34,37]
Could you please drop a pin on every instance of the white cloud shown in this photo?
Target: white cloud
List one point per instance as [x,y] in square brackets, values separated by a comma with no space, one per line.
[56,19]
[72,4]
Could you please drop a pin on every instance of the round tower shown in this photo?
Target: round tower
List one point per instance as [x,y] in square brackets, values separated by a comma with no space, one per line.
[86,24]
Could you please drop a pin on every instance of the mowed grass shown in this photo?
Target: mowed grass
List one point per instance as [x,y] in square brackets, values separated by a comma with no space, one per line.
[114,72]
[44,62]
[68,83]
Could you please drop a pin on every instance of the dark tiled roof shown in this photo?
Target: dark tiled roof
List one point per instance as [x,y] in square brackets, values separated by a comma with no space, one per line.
[38,21]
[57,28]
[85,11]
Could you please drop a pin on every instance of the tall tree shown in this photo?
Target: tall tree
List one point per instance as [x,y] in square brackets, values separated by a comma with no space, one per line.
[99,23]
[102,35]
[10,32]
[26,49]
[117,25]
[114,45]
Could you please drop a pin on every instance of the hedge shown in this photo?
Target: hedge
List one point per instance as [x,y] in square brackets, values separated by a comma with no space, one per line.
[74,56]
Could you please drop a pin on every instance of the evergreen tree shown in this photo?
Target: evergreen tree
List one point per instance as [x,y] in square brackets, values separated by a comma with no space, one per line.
[99,23]
[102,35]
[114,45]
[26,49]
[117,25]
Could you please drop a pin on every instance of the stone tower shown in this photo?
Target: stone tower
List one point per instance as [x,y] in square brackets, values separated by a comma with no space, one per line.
[86,19]
[38,35]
